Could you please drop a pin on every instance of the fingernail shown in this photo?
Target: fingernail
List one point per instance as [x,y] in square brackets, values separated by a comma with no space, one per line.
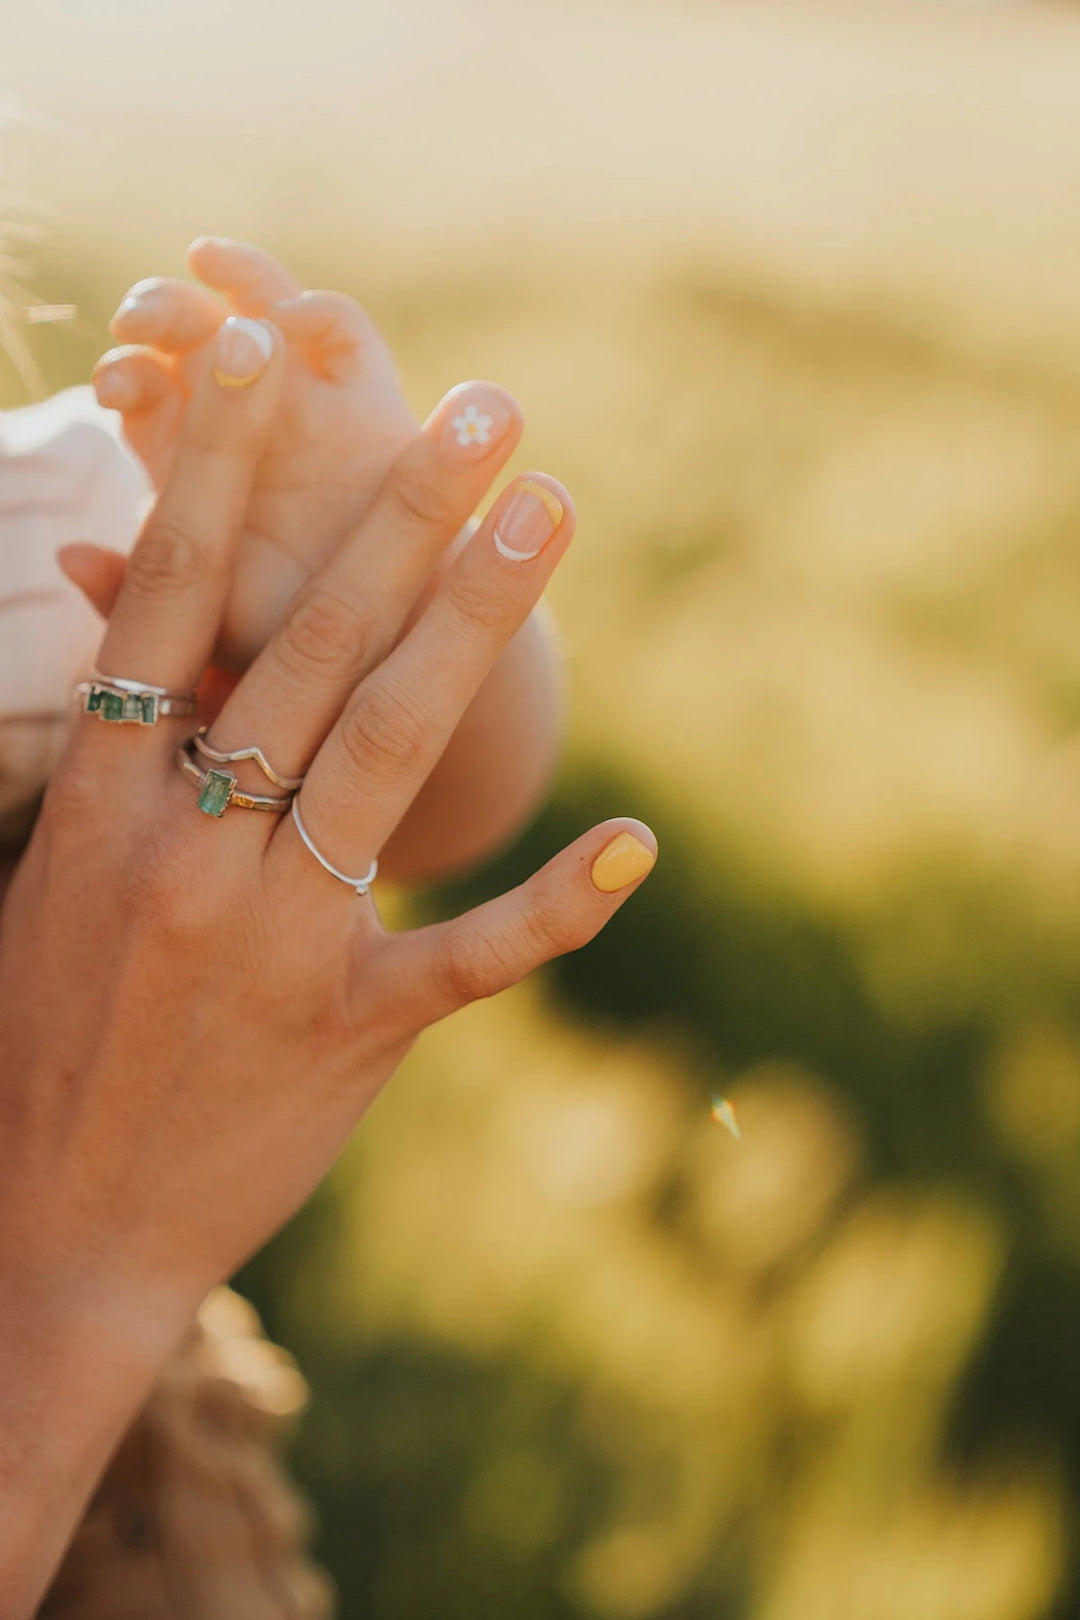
[244,348]
[475,420]
[621,863]
[527,522]
[140,302]
[115,389]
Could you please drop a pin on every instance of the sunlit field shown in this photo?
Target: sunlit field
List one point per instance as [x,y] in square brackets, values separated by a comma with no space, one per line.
[790,297]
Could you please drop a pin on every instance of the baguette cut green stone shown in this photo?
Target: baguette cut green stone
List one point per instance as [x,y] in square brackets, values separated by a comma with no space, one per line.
[215,791]
[112,706]
[93,699]
[148,702]
[133,709]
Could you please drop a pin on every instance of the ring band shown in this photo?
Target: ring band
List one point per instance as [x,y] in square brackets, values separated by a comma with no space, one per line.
[360,885]
[122,684]
[127,702]
[255,754]
[218,789]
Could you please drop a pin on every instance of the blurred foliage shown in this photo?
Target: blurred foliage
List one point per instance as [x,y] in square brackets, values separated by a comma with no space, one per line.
[576,1353]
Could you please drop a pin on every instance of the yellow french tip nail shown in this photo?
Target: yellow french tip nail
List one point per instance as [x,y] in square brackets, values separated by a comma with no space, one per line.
[621,863]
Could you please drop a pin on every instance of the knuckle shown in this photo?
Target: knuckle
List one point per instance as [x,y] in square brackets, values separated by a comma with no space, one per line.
[168,560]
[384,729]
[549,930]
[471,967]
[420,498]
[322,633]
[481,603]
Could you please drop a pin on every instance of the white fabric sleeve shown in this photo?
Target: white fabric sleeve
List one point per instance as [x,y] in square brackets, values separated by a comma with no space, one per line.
[64,476]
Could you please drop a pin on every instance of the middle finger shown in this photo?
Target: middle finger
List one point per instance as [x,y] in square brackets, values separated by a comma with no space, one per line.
[349,615]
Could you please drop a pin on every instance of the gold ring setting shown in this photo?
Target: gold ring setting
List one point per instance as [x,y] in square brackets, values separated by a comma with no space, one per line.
[218,789]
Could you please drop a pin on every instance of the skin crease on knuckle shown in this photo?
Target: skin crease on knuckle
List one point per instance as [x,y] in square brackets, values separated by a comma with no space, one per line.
[167,561]
[384,729]
[422,498]
[322,635]
[482,602]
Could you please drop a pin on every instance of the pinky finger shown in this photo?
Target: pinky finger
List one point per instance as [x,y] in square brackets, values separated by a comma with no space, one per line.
[562,907]
[149,393]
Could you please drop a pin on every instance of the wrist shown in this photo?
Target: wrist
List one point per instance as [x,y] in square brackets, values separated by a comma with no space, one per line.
[80,1348]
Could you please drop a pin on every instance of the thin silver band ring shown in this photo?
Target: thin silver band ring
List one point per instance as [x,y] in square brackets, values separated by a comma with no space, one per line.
[360,885]
[122,684]
[254,753]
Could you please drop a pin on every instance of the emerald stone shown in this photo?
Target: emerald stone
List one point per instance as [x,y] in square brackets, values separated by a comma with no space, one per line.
[148,702]
[132,706]
[112,706]
[215,791]
[93,699]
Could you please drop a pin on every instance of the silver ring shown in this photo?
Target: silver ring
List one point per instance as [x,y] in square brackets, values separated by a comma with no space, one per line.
[255,754]
[127,703]
[123,685]
[361,885]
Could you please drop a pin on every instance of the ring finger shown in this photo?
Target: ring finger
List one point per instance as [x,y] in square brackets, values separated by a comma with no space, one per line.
[399,720]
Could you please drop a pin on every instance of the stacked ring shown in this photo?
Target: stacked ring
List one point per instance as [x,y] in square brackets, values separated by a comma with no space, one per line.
[123,702]
[218,789]
[255,754]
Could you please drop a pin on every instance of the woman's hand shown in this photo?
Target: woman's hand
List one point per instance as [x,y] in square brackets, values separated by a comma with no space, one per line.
[194,1014]
[341,421]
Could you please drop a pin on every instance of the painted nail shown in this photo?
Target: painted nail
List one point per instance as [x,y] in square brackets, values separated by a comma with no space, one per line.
[115,389]
[527,522]
[244,348]
[475,420]
[621,863]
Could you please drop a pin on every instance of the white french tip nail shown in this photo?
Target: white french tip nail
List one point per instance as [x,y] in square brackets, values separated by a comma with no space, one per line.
[256,330]
[510,554]
[244,346]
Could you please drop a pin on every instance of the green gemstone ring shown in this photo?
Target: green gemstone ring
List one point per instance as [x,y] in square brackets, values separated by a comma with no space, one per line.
[131,703]
[218,789]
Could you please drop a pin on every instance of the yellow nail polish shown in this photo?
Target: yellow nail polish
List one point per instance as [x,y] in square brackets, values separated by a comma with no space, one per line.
[621,863]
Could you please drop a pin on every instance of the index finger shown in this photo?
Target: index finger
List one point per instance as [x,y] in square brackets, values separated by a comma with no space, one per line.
[163,627]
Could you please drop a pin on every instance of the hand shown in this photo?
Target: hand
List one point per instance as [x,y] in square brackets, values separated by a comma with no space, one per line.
[193,1013]
[340,424]
[341,420]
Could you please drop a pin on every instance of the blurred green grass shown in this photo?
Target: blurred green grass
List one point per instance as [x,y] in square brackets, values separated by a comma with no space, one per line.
[575,1352]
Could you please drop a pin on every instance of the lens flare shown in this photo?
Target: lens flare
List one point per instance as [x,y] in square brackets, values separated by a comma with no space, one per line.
[723,1112]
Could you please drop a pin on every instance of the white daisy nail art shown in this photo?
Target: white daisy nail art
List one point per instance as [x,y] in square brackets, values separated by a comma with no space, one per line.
[472,427]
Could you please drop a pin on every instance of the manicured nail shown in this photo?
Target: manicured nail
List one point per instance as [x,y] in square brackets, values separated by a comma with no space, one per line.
[115,389]
[621,863]
[244,348]
[527,522]
[475,420]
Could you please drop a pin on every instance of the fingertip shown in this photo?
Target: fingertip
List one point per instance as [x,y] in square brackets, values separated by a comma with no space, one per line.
[94,570]
[132,380]
[627,853]
[114,387]
[204,246]
[75,558]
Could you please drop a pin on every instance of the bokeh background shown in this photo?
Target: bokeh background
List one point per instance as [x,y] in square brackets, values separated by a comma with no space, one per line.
[791,294]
